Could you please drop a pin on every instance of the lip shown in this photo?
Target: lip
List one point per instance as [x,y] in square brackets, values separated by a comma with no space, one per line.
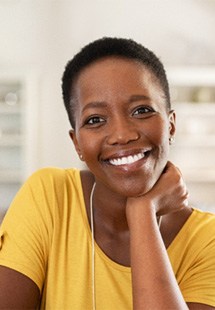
[128,160]
[126,153]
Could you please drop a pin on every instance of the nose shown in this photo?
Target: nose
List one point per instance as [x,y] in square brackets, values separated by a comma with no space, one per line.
[122,132]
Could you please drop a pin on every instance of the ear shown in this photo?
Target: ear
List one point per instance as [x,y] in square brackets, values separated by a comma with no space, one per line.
[172,123]
[73,137]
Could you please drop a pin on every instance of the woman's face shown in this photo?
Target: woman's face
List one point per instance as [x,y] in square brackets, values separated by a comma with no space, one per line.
[122,125]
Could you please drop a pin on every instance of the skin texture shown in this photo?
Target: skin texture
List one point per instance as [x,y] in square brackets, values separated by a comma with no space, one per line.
[121,111]
[120,128]
[17,291]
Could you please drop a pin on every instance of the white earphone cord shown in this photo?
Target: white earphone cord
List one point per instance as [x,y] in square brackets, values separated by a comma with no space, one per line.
[93,246]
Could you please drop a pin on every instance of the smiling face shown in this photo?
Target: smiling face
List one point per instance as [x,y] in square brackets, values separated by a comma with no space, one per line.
[122,125]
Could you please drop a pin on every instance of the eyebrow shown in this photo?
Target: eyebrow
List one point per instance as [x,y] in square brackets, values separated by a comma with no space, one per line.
[95,104]
[103,104]
[138,97]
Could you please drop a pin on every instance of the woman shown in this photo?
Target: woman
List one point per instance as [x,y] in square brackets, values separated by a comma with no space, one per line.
[151,249]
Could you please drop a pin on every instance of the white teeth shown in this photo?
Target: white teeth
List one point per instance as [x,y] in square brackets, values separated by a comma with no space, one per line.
[126,160]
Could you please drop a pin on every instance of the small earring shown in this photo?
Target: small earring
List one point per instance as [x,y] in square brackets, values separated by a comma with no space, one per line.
[81,157]
[171,139]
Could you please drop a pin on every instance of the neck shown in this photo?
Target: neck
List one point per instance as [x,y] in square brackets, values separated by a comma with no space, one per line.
[109,208]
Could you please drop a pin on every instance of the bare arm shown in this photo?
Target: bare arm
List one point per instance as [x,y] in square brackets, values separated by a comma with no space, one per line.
[17,291]
[154,283]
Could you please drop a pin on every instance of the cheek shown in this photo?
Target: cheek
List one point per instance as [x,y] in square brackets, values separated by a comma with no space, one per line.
[89,146]
[164,147]
[159,137]
[158,132]
[164,139]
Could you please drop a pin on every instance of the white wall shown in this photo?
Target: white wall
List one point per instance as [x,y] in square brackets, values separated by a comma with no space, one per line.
[39,36]
[29,44]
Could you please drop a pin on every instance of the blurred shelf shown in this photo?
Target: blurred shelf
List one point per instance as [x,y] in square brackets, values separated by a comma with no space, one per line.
[194,108]
[11,140]
[10,109]
[192,92]
[10,176]
[18,129]
[199,175]
[190,140]
[191,76]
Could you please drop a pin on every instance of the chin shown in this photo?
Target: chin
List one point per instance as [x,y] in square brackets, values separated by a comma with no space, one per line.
[138,191]
[135,188]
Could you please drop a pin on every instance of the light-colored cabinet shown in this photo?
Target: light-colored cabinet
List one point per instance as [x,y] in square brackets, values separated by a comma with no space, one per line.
[193,99]
[18,134]
[12,139]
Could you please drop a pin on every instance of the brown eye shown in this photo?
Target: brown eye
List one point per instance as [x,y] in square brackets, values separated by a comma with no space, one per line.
[94,120]
[143,110]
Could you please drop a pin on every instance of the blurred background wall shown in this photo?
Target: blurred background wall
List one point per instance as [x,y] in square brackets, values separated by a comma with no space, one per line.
[38,37]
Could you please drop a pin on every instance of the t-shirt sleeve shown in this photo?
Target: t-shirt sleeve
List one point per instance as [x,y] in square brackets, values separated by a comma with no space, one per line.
[198,284]
[26,231]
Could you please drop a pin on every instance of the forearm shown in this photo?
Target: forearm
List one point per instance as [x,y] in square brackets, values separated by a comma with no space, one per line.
[153,280]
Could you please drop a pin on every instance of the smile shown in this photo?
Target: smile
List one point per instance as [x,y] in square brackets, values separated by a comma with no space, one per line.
[126,160]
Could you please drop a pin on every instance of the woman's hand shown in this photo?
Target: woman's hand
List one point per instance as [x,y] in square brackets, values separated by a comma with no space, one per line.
[154,285]
[169,194]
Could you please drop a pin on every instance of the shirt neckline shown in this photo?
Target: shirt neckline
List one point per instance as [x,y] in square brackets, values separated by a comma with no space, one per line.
[100,252]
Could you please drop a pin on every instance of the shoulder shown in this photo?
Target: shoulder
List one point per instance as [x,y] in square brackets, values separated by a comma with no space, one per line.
[203,222]
[195,259]
[53,177]
[48,187]
[53,173]
[47,193]
[196,236]
[205,229]
[200,232]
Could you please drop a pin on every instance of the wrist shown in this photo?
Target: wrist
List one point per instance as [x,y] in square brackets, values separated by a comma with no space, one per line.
[139,209]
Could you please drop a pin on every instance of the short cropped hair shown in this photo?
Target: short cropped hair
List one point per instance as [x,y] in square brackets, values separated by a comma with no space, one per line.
[108,47]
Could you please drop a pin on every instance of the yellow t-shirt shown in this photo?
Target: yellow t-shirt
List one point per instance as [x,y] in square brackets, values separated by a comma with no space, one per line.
[46,236]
